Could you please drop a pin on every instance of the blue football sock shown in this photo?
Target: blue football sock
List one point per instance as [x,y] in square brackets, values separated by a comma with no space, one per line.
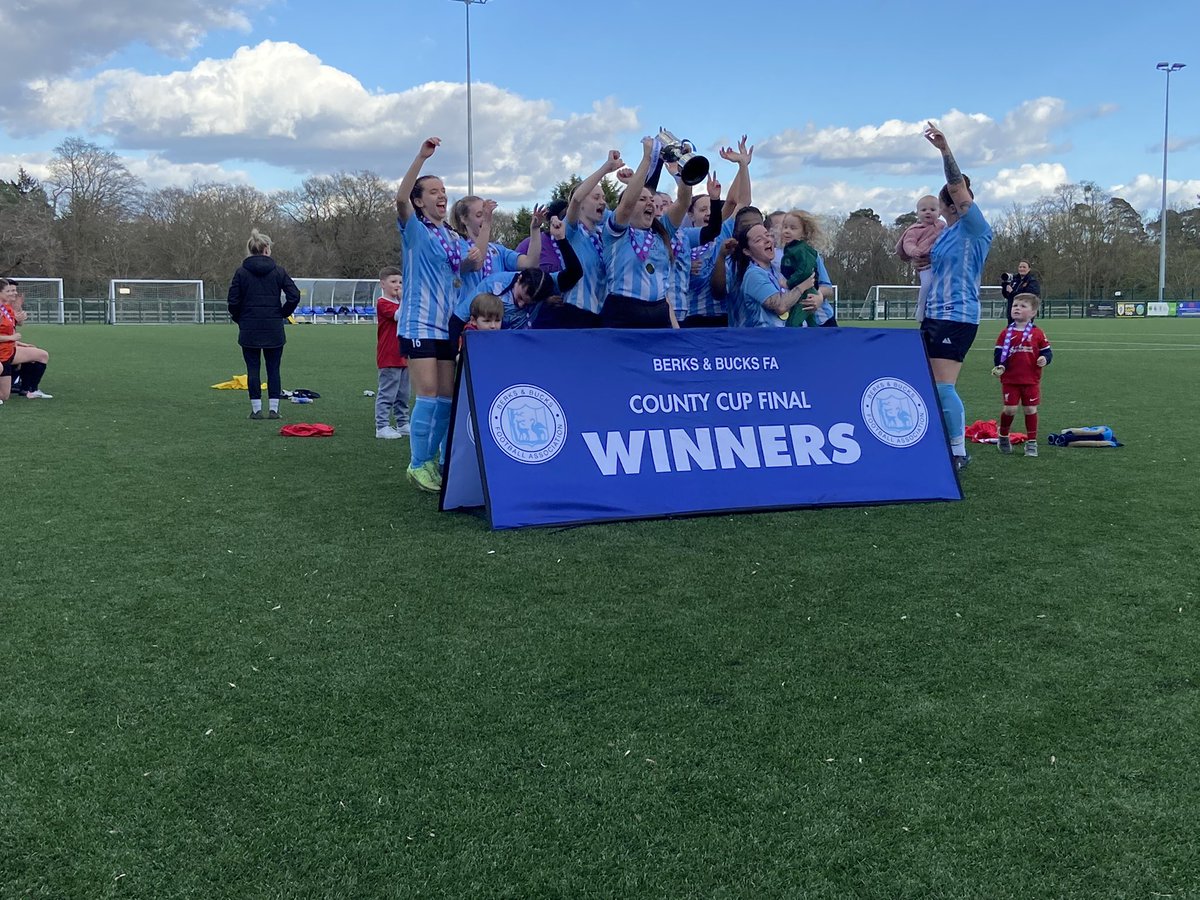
[954,414]
[441,427]
[420,429]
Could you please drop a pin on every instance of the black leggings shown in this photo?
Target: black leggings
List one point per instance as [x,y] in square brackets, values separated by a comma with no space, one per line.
[254,377]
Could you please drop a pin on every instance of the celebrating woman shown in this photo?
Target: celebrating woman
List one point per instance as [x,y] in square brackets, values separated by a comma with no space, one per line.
[470,216]
[255,304]
[952,309]
[764,301]
[435,261]
[637,250]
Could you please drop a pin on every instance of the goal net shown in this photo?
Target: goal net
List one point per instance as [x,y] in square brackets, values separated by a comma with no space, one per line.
[43,298]
[151,301]
[899,301]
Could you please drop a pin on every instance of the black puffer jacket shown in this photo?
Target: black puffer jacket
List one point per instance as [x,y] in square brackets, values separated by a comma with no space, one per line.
[255,304]
[1018,284]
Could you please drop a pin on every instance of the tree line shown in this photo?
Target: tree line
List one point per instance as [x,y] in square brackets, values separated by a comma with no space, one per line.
[92,220]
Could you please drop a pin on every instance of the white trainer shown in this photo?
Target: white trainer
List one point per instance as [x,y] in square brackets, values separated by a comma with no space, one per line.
[39,395]
[387,433]
[403,430]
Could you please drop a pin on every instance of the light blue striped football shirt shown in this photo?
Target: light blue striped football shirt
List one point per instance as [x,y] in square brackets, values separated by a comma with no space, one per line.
[627,273]
[957,262]
[591,289]
[701,301]
[429,294]
[502,260]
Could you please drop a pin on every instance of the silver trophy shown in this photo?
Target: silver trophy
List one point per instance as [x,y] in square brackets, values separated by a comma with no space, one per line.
[693,168]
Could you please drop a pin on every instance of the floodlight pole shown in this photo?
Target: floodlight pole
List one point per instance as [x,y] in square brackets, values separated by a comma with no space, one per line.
[1168,68]
[470,133]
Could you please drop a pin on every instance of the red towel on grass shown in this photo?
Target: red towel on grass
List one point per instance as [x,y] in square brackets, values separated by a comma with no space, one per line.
[305,429]
[987,433]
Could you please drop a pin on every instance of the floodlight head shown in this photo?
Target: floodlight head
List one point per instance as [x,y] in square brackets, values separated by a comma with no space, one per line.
[1162,65]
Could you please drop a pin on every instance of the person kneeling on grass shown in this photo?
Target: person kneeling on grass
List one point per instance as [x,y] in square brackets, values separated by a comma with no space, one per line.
[17,358]
[1022,351]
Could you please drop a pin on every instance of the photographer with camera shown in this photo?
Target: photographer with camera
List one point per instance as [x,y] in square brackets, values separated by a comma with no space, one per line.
[1024,282]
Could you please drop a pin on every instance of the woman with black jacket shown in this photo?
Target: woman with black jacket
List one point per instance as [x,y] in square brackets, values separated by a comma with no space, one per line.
[256,305]
[1024,282]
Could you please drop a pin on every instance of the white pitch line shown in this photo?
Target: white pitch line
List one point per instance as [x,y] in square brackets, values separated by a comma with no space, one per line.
[1130,344]
[1162,349]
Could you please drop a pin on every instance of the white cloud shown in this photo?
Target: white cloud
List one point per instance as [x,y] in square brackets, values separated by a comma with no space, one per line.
[55,36]
[1023,184]
[897,146]
[1144,192]
[838,198]
[278,103]
[157,172]
[153,170]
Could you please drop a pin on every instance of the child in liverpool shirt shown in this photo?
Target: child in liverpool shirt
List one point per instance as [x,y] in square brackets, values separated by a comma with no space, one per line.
[1022,351]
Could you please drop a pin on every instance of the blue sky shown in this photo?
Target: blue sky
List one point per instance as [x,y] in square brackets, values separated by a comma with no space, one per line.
[833,96]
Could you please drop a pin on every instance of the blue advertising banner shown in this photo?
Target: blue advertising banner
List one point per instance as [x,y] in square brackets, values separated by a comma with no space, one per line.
[557,427]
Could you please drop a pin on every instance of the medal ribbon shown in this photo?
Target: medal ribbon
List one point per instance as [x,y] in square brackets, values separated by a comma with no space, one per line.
[1009,332]
[647,242]
[453,250]
[487,261]
[597,242]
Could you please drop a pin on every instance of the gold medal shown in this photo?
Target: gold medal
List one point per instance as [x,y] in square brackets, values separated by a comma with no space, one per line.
[650,268]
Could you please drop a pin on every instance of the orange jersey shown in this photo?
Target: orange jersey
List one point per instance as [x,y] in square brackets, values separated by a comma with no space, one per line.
[8,325]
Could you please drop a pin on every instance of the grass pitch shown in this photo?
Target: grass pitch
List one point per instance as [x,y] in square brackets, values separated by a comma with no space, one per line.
[242,665]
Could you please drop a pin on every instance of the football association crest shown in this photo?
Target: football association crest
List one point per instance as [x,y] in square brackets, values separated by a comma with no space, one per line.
[528,424]
[894,412]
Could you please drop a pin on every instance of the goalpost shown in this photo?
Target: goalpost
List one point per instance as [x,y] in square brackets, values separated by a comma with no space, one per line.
[899,301]
[155,301]
[43,298]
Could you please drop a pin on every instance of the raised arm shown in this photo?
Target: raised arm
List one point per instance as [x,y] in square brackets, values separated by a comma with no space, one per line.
[532,257]
[683,199]
[478,253]
[739,195]
[712,230]
[955,182]
[409,181]
[717,281]
[633,190]
[611,164]
[572,270]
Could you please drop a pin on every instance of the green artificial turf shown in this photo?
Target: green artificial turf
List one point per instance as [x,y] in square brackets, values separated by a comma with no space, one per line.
[241,665]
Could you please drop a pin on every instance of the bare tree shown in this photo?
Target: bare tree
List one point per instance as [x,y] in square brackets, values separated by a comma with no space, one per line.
[94,198]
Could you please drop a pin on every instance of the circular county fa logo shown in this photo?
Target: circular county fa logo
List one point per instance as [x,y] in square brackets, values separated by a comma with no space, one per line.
[528,424]
[894,412]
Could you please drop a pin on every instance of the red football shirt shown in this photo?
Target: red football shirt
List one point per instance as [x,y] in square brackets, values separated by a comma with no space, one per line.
[1021,365]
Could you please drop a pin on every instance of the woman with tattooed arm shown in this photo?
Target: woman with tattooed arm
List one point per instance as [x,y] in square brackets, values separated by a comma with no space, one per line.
[952,310]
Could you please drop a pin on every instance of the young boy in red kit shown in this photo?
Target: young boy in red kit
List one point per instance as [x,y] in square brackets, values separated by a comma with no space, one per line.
[1022,351]
[392,394]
